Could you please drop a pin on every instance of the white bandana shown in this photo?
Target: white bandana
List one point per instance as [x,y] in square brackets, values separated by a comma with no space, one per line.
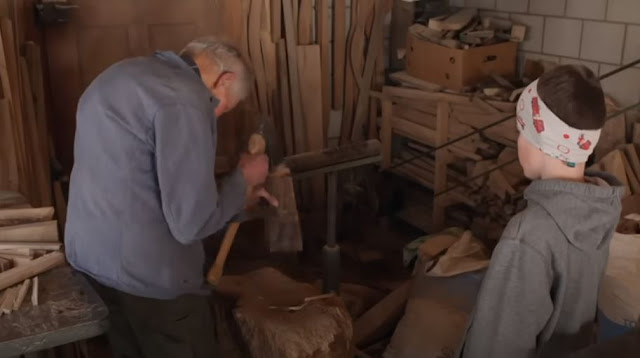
[547,132]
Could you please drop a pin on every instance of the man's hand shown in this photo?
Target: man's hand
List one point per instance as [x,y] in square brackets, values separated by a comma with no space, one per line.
[255,168]
[254,196]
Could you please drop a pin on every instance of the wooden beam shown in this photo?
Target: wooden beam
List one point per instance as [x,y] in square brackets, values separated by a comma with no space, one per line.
[276,20]
[333,156]
[305,36]
[410,93]
[36,232]
[442,159]
[23,216]
[294,83]
[364,82]
[36,267]
[285,97]
[386,133]
[339,46]
[22,293]
[255,53]
[324,38]
[47,246]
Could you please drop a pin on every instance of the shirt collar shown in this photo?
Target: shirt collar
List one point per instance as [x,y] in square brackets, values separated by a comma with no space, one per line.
[185,62]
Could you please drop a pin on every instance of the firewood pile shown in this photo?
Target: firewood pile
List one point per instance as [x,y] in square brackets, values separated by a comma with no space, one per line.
[29,246]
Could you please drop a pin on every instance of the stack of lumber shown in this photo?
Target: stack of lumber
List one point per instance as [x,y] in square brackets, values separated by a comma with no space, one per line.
[24,139]
[464,29]
[29,246]
[314,84]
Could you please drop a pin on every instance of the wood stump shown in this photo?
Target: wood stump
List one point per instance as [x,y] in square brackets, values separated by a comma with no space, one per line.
[320,329]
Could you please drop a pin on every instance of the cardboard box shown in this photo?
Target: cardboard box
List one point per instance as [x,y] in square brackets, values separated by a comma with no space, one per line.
[457,69]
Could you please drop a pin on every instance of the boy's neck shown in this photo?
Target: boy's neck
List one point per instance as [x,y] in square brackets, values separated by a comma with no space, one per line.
[560,170]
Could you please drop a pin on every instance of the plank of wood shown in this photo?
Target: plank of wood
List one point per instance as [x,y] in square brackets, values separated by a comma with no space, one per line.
[35,232]
[401,19]
[364,82]
[339,47]
[283,72]
[294,83]
[22,293]
[324,38]
[380,319]
[311,82]
[269,57]
[410,93]
[39,165]
[34,291]
[255,53]
[9,299]
[634,161]
[405,79]
[634,184]
[386,132]
[36,267]
[26,215]
[333,130]
[305,35]
[414,131]
[442,159]
[455,22]
[332,157]
[276,21]
[9,170]
[49,246]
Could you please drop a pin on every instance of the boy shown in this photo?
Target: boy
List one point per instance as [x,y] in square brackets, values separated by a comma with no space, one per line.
[539,296]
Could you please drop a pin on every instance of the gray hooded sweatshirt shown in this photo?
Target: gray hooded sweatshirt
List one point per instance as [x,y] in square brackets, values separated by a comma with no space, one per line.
[539,296]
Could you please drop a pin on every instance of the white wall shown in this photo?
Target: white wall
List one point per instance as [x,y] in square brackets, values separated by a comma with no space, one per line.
[601,34]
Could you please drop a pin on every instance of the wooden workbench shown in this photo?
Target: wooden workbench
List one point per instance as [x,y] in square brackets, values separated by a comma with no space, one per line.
[69,311]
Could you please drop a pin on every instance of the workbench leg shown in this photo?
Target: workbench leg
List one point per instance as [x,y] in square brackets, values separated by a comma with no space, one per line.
[331,251]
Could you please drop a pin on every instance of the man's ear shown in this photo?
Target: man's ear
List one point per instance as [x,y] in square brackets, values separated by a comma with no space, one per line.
[226,79]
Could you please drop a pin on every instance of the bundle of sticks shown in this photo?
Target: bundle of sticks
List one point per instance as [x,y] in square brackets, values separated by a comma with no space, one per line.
[29,246]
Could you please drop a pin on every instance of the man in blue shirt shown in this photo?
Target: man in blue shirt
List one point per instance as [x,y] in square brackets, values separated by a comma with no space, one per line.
[143,193]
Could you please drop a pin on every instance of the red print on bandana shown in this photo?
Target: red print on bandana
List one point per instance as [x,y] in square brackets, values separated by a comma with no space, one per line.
[538,123]
[584,144]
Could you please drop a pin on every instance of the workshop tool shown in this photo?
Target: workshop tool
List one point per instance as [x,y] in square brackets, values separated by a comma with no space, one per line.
[281,224]
[330,162]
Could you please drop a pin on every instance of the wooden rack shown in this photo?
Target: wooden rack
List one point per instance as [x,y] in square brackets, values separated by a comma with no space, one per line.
[432,119]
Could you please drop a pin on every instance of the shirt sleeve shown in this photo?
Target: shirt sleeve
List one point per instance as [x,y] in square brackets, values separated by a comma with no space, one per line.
[185,149]
[513,305]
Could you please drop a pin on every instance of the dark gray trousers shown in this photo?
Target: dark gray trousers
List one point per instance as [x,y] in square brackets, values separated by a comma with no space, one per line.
[150,328]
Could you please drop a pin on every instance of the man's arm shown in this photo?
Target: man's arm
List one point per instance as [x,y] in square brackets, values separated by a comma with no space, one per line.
[513,305]
[185,148]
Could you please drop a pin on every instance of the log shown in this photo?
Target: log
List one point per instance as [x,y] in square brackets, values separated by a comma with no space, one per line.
[25,216]
[9,299]
[36,267]
[22,293]
[381,318]
[34,291]
[36,232]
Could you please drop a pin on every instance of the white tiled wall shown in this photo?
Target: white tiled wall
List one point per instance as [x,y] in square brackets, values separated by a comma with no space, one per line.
[600,34]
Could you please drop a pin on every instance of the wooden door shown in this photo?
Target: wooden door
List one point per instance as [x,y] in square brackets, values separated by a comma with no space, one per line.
[103,32]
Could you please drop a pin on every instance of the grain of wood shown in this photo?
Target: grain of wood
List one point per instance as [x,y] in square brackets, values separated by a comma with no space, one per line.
[276,20]
[305,12]
[26,214]
[9,299]
[285,97]
[35,232]
[22,293]
[36,267]
[48,246]
[364,82]
[34,291]
[294,83]
[324,38]
[339,46]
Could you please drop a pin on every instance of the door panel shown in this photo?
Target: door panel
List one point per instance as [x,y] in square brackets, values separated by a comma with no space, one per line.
[102,33]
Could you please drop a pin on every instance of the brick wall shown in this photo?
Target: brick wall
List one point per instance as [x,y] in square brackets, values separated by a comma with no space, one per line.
[601,34]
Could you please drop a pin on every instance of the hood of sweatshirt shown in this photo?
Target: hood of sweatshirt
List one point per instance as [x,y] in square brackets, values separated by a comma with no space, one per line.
[586,213]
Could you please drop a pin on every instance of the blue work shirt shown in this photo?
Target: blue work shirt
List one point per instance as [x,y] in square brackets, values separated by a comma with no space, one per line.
[143,193]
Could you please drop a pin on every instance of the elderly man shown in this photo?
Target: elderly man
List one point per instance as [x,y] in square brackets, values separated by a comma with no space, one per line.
[143,193]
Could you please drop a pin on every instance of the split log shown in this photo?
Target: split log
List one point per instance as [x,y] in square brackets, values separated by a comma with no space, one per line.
[24,216]
[35,232]
[36,267]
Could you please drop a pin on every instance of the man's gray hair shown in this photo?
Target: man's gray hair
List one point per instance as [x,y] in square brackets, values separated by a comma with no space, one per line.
[227,58]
